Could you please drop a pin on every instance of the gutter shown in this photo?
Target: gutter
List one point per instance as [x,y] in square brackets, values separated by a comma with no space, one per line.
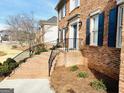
[59,4]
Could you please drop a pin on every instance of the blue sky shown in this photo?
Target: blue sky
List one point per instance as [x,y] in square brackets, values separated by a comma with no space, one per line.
[42,9]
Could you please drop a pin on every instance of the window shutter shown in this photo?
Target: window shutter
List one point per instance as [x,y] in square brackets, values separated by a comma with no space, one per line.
[101,29]
[88,31]
[112,27]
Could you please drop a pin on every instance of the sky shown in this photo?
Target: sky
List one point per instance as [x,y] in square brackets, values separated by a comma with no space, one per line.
[42,9]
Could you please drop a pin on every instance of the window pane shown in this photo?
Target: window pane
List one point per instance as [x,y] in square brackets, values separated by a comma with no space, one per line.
[95,20]
[64,11]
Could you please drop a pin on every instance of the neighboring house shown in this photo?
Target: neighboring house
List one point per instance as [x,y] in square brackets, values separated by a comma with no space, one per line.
[0,38]
[49,30]
[99,23]
[4,35]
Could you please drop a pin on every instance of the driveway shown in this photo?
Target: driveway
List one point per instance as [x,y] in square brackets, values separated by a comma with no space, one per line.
[31,76]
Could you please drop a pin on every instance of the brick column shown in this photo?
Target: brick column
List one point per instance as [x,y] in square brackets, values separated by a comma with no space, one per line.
[121,80]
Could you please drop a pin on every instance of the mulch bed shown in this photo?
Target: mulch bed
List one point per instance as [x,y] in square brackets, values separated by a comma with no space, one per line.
[65,81]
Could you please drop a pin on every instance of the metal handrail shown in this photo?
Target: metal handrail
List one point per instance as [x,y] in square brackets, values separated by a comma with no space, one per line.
[54,51]
[65,42]
[53,55]
[30,50]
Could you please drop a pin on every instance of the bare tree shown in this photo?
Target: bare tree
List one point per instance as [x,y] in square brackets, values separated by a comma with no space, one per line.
[23,28]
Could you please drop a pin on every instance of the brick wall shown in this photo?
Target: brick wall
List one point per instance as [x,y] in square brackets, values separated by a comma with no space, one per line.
[121,83]
[104,59]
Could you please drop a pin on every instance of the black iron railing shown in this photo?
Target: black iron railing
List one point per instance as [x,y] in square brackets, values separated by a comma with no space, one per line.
[53,55]
[26,53]
[65,45]
[72,43]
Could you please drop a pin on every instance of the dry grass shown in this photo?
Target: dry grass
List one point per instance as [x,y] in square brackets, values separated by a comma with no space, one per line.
[2,53]
[2,78]
[10,53]
[65,81]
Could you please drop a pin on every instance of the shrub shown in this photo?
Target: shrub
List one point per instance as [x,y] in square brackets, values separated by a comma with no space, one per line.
[14,46]
[58,46]
[8,66]
[74,68]
[39,50]
[53,48]
[10,63]
[98,85]
[4,71]
[1,64]
[82,75]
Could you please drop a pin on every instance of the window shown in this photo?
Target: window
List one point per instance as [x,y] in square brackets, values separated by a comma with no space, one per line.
[74,4]
[94,29]
[119,27]
[60,35]
[62,12]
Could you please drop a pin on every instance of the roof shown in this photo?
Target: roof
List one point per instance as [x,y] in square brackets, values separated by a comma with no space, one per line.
[50,21]
[59,4]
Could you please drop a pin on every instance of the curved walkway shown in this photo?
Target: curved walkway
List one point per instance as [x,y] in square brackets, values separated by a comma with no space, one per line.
[30,77]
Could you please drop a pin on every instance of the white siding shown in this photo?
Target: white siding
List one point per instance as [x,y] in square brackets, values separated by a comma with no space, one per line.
[51,33]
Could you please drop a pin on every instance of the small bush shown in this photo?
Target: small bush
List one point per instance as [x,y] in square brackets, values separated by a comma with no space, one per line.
[53,48]
[39,50]
[10,63]
[14,46]
[58,46]
[98,85]
[7,67]
[82,75]
[74,68]
[4,71]
[1,64]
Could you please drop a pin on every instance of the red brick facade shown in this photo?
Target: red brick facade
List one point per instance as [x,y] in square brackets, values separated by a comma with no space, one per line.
[101,58]
[121,81]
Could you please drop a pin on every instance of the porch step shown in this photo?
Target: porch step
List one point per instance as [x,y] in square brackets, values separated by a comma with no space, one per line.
[70,58]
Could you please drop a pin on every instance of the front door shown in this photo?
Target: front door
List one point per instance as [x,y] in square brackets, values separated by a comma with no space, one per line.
[119,27]
[64,38]
[73,37]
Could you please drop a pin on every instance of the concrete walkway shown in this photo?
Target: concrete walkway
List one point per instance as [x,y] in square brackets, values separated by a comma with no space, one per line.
[30,77]
[28,85]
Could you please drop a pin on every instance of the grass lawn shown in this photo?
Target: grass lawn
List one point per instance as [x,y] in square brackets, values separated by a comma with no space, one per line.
[79,80]
[1,78]
[7,49]
[2,53]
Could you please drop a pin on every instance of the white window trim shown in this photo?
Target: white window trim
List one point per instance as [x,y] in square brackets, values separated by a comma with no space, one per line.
[76,21]
[118,45]
[91,28]
[94,13]
[73,7]
[119,1]
[59,14]
[62,12]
